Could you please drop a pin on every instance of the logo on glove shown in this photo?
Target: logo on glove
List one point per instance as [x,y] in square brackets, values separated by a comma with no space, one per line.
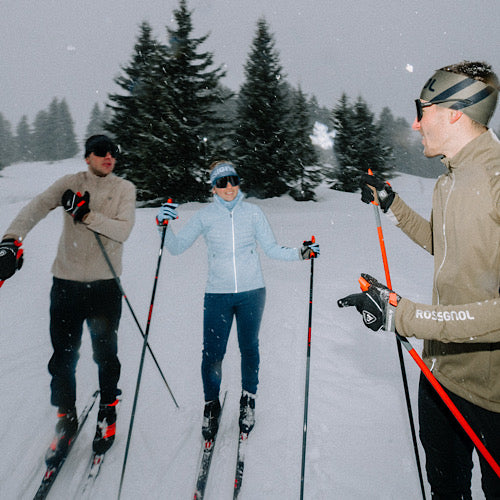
[368,318]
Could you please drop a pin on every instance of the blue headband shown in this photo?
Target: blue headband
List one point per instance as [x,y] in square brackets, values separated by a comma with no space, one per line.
[222,170]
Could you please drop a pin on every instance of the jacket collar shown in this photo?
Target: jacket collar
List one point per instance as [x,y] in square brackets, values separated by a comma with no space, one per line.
[467,155]
[229,205]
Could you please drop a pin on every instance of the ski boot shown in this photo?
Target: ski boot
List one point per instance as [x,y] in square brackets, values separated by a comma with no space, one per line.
[247,412]
[106,428]
[66,427]
[211,414]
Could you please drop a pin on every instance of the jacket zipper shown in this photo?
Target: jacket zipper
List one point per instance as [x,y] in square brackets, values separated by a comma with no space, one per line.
[234,254]
[445,209]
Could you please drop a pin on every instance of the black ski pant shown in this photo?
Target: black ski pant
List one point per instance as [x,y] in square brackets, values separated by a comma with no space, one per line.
[448,449]
[99,304]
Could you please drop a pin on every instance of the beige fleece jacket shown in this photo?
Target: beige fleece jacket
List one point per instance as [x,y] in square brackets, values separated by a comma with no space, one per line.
[461,330]
[112,215]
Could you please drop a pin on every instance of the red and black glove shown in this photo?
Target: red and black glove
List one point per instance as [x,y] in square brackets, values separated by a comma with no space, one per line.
[75,204]
[11,257]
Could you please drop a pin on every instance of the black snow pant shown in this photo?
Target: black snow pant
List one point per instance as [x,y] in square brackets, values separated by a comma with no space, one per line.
[448,449]
[72,303]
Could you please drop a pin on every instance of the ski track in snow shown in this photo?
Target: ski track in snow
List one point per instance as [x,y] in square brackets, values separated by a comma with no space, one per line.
[358,439]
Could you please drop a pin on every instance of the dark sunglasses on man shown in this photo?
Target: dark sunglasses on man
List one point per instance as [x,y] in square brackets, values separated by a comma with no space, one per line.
[101,149]
[221,182]
[421,105]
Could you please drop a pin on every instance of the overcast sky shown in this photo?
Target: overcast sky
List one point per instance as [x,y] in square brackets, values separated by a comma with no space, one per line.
[383,50]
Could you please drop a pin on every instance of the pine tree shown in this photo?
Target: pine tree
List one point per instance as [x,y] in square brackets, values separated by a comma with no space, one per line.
[261,135]
[97,121]
[7,148]
[53,133]
[305,175]
[66,144]
[41,137]
[358,145]
[166,124]
[195,131]
[24,140]
[344,146]
[135,112]
[372,153]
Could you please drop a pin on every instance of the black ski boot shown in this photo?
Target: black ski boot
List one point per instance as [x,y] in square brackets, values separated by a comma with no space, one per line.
[66,427]
[106,428]
[211,419]
[247,412]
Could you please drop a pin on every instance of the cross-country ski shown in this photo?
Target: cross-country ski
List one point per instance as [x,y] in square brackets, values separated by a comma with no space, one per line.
[53,470]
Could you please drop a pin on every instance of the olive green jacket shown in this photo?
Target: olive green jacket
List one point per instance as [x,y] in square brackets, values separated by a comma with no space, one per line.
[461,330]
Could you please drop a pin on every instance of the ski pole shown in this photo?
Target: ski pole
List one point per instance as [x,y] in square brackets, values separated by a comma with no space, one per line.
[122,291]
[376,211]
[308,364]
[145,343]
[444,396]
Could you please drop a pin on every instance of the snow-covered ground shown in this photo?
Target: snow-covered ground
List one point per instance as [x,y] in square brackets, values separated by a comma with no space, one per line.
[358,439]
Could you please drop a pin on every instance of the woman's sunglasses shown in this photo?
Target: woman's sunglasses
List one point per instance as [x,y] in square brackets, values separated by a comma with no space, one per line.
[221,182]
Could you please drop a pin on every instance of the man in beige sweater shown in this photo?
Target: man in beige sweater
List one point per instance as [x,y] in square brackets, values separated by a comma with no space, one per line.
[461,329]
[84,288]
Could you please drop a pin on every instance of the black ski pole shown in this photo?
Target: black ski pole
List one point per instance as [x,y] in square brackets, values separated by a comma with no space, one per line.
[308,364]
[378,223]
[141,365]
[122,291]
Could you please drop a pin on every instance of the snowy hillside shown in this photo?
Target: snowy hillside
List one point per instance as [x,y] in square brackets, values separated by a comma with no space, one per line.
[358,444]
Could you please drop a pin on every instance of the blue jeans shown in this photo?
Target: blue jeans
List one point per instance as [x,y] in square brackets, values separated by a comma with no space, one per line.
[219,310]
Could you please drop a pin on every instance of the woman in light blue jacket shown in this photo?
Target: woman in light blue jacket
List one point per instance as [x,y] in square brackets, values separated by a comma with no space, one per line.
[235,287]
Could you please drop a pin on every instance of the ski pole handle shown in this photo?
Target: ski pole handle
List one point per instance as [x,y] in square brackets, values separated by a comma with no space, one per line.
[363,284]
[375,194]
[370,172]
[164,222]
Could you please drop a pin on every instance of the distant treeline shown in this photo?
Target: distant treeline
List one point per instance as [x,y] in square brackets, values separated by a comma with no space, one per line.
[174,117]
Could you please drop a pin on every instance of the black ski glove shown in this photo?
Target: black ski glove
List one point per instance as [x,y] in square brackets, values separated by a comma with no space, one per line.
[376,303]
[384,190]
[309,250]
[11,257]
[75,204]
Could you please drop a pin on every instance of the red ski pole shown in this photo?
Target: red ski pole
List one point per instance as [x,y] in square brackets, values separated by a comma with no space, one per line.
[376,211]
[444,396]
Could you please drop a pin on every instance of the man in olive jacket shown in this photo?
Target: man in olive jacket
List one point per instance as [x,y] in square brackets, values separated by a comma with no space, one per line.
[461,329]
[84,288]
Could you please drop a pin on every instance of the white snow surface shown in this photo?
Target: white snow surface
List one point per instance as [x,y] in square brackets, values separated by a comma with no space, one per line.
[359,443]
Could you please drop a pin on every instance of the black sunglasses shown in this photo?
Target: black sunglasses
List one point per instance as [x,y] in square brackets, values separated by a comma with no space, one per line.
[421,105]
[221,182]
[103,149]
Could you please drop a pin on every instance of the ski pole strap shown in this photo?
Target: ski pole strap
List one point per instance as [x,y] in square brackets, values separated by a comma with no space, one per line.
[390,316]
